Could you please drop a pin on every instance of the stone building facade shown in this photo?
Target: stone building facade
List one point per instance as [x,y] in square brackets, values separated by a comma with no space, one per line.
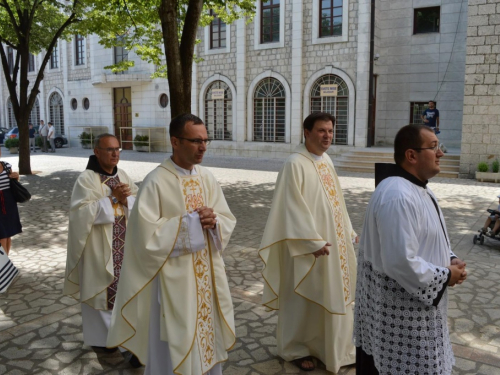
[481,120]
[253,93]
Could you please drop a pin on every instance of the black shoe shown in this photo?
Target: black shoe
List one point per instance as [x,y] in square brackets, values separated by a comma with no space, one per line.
[104,349]
[132,359]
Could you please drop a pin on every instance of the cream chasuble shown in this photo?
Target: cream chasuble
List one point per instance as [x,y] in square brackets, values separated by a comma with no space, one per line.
[95,239]
[314,296]
[196,316]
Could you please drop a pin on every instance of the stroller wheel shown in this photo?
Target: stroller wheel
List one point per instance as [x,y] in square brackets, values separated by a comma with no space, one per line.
[481,240]
[475,239]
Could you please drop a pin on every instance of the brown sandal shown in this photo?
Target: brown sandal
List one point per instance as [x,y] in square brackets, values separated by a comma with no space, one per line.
[300,363]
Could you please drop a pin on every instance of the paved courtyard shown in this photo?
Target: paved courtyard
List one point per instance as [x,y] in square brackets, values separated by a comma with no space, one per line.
[40,330]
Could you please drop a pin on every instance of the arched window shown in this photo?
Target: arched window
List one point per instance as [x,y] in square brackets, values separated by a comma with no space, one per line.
[269,104]
[10,114]
[56,112]
[35,114]
[219,111]
[337,106]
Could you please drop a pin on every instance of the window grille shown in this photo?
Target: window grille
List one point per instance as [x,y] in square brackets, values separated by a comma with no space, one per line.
[269,106]
[10,59]
[56,110]
[416,109]
[121,54]
[338,106]
[219,112]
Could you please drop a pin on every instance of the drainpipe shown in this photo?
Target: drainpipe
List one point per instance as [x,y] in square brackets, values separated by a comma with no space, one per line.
[371,114]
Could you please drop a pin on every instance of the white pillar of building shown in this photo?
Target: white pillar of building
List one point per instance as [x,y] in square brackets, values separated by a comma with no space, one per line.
[362,73]
[297,49]
[239,123]
[194,86]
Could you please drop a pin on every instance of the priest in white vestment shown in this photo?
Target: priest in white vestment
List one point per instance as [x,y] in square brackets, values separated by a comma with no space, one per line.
[102,197]
[309,260]
[174,309]
[405,266]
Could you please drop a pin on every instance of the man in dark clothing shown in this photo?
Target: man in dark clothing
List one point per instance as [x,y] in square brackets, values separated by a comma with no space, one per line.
[430,116]
[32,138]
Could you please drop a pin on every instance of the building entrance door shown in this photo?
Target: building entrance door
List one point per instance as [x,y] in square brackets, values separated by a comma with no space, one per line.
[123,116]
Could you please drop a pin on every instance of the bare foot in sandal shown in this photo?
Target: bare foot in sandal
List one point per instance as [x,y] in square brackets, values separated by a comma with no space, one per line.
[305,364]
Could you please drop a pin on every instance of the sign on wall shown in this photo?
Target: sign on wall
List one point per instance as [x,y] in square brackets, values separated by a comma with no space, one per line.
[217,94]
[329,90]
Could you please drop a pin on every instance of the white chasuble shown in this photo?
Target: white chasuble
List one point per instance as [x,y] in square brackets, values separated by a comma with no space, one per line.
[314,296]
[196,317]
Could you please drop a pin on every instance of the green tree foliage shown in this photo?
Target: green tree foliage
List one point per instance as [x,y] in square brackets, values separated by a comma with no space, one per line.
[34,27]
[164,33]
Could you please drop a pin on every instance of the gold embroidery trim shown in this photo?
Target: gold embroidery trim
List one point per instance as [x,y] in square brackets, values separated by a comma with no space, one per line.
[330,188]
[205,326]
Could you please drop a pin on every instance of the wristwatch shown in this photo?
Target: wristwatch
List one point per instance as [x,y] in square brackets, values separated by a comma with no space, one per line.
[113,199]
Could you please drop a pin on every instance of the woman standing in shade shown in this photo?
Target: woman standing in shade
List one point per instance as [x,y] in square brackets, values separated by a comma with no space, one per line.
[10,224]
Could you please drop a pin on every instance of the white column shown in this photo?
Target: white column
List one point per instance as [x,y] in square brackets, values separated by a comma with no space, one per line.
[363,74]
[194,86]
[41,87]
[66,62]
[297,43]
[239,123]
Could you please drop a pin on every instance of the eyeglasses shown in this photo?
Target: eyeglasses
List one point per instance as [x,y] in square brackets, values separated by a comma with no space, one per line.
[198,141]
[110,150]
[435,148]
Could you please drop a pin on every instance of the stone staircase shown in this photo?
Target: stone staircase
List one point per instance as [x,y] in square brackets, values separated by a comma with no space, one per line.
[364,160]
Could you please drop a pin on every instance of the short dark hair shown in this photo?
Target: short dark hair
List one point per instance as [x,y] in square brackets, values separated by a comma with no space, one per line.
[408,137]
[50,123]
[177,124]
[102,136]
[317,116]
[432,101]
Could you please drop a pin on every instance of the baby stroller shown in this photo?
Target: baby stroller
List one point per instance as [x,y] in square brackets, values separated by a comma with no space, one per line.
[482,234]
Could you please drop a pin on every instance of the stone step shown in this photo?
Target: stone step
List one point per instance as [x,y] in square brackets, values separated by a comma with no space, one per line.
[354,168]
[376,159]
[371,164]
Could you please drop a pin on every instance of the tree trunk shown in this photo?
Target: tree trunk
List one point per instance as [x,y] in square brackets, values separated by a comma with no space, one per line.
[179,56]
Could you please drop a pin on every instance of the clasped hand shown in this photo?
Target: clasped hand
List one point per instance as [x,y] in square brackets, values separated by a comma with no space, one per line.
[121,192]
[458,272]
[208,218]
[323,251]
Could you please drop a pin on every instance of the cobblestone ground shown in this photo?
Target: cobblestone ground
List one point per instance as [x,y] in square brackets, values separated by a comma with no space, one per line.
[40,330]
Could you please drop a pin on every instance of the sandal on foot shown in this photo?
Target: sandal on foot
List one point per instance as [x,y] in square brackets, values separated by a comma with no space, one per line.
[300,363]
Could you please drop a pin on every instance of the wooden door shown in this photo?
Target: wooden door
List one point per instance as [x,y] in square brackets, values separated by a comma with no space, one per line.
[123,116]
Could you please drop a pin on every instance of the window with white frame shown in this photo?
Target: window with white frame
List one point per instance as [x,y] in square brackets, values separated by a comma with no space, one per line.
[56,112]
[35,113]
[10,59]
[269,111]
[269,23]
[31,63]
[219,111]
[54,57]
[79,50]
[10,114]
[337,105]
[120,54]
[217,32]
[330,21]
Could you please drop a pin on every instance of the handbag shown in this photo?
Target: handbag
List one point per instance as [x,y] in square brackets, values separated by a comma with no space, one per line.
[20,193]
[8,272]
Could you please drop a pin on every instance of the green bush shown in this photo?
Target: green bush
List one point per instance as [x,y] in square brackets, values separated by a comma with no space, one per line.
[86,138]
[495,166]
[141,140]
[482,167]
[11,143]
[38,142]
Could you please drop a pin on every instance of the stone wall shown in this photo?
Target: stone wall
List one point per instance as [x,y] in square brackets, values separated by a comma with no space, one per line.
[419,67]
[481,119]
